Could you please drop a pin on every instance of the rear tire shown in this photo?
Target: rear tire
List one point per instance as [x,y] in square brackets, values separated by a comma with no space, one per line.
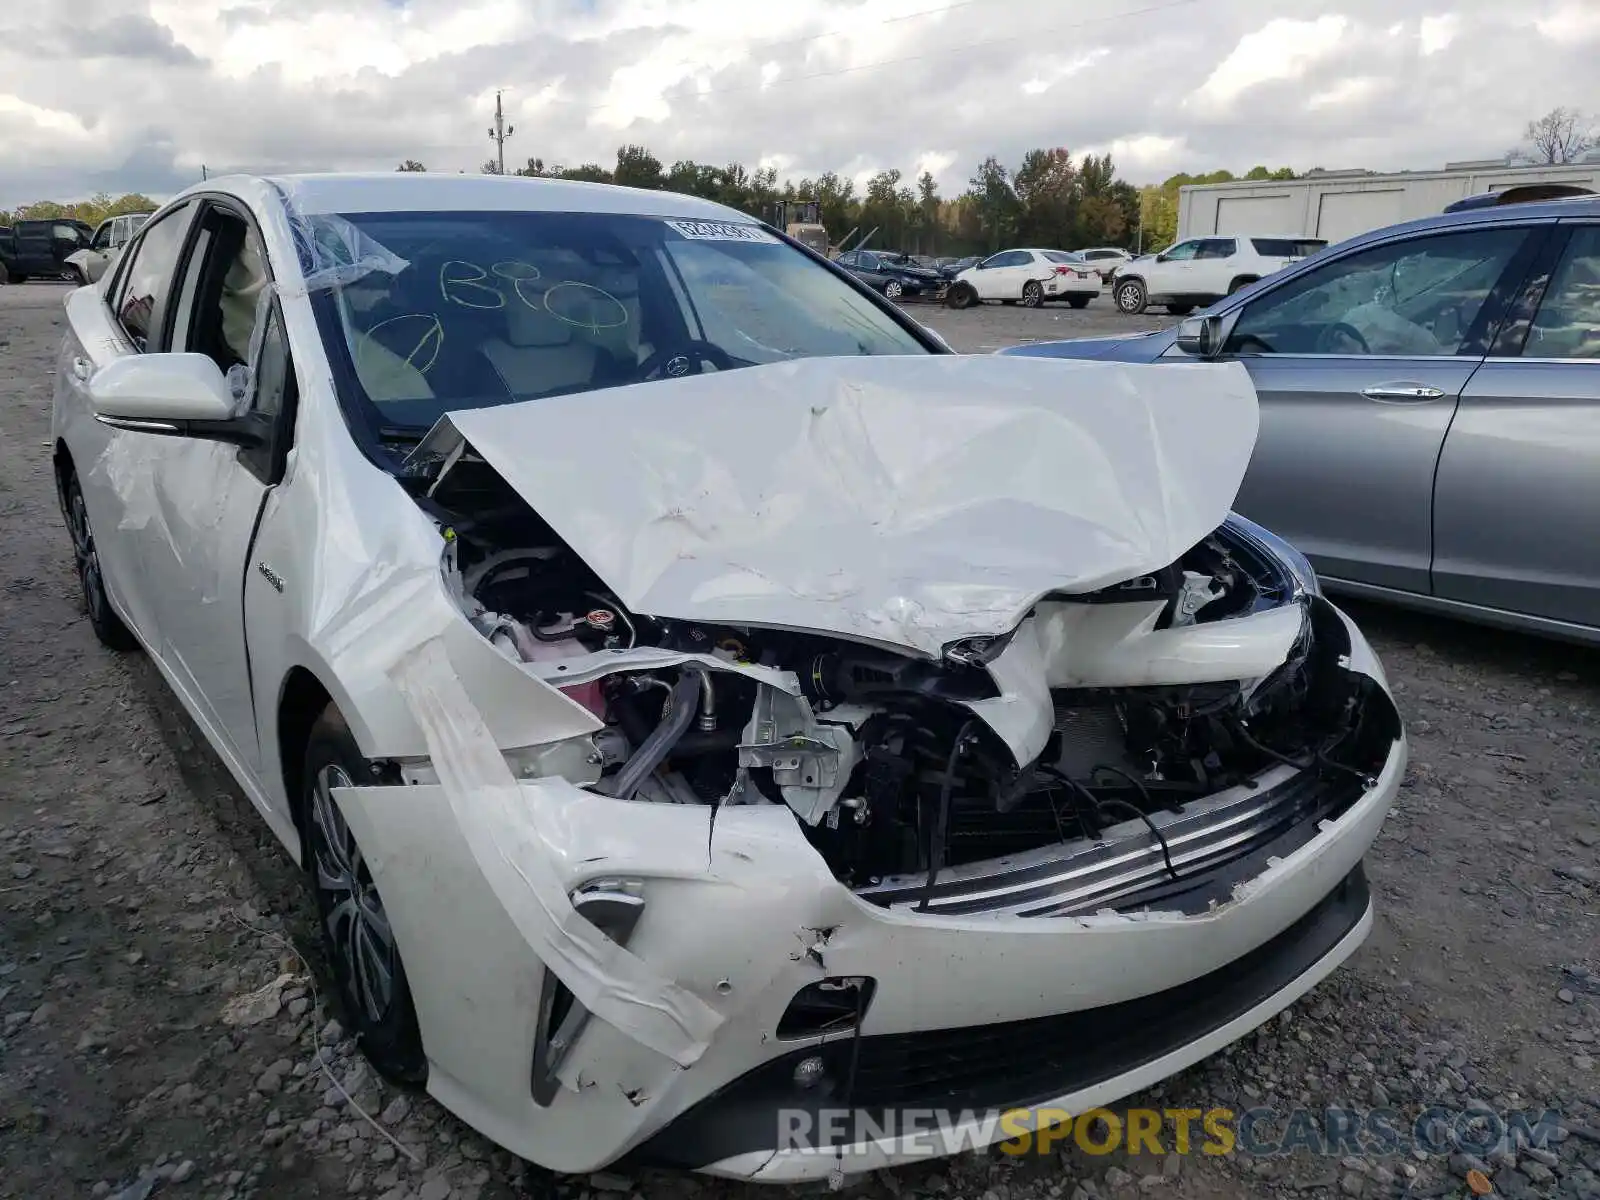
[1079,301]
[961,295]
[892,290]
[1180,310]
[1131,297]
[103,619]
[374,997]
[1032,295]
[5,275]
[1244,281]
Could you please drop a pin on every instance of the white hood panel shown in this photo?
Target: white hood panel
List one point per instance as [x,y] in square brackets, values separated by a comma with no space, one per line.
[908,501]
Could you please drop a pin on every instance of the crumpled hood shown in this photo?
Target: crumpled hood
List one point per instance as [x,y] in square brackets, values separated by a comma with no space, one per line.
[908,501]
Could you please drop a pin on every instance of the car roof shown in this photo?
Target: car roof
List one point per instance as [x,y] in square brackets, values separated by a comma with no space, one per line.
[1530,211]
[421,191]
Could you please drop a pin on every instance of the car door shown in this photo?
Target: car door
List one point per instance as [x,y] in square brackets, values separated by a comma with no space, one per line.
[100,249]
[1168,273]
[1358,365]
[112,464]
[210,493]
[998,277]
[1212,268]
[1517,502]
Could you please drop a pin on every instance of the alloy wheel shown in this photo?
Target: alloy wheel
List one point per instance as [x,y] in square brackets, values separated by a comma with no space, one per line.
[358,928]
[84,553]
[892,290]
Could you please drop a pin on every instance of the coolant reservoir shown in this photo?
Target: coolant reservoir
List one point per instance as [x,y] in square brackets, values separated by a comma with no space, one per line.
[536,650]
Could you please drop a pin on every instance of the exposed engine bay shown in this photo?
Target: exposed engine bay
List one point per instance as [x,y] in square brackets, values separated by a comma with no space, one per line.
[893,764]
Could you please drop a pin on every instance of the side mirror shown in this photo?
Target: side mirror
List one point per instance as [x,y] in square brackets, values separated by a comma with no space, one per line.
[1200,336]
[179,395]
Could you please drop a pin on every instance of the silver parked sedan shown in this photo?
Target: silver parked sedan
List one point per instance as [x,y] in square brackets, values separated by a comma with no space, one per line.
[1430,410]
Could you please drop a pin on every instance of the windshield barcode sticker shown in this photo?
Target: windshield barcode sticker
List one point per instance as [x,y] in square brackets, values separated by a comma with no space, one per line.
[721,231]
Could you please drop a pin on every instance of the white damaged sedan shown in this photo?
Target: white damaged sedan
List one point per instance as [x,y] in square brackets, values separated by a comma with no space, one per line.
[702,704]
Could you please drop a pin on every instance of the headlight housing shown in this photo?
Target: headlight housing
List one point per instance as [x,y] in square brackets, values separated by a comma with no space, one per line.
[1297,564]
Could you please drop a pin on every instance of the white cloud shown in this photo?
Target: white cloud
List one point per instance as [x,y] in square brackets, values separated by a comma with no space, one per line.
[1345,92]
[1437,32]
[1280,49]
[1572,22]
[136,94]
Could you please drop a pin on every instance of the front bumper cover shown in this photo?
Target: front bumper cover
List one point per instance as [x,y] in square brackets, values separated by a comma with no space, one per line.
[745,916]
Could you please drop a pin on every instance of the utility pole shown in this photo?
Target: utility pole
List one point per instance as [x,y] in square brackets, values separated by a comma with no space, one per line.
[500,133]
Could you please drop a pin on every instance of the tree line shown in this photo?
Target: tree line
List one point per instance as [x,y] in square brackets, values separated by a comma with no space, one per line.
[93,210]
[1049,199]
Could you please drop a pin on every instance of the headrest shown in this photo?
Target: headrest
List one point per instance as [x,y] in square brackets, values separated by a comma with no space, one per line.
[527,325]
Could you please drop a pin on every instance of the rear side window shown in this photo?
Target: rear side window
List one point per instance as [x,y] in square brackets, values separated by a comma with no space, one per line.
[1216,248]
[1287,247]
[1568,324]
[148,279]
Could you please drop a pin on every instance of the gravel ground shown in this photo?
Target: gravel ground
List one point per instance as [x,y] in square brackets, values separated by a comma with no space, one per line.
[161,1031]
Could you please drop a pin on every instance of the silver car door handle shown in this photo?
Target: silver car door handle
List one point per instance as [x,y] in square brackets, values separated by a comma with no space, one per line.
[1401,391]
[82,367]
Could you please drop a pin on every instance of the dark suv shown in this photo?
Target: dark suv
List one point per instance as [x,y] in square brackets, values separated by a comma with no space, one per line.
[40,248]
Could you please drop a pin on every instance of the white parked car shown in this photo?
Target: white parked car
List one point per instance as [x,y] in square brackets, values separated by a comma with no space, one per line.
[1200,271]
[696,696]
[1029,277]
[1104,259]
[110,237]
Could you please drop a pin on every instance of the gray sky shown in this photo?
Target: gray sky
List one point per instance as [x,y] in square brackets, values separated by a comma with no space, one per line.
[136,94]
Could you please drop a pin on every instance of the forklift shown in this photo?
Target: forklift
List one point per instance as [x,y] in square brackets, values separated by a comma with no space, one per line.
[801,220]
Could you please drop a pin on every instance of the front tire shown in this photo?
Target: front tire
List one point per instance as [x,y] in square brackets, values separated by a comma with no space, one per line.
[103,619]
[5,274]
[374,997]
[1131,297]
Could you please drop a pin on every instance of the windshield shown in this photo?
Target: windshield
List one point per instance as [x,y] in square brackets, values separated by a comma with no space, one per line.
[492,308]
[1063,256]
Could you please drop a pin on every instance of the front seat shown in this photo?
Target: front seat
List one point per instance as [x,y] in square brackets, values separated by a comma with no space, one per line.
[541,353]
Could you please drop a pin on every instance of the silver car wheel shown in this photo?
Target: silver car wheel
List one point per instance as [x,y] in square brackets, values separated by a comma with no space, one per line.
[357,924]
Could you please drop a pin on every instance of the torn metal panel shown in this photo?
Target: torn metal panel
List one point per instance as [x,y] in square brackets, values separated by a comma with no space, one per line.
[902,501]
[1118,645]
[613,984]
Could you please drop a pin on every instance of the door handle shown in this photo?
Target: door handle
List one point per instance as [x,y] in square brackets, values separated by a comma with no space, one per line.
[1401,391]
[82,368]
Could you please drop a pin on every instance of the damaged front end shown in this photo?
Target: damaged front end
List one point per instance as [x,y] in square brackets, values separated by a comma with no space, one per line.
[1151,743]
[858,786]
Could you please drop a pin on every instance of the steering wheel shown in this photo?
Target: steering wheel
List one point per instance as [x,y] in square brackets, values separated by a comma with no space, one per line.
[686,358]
[1342,338]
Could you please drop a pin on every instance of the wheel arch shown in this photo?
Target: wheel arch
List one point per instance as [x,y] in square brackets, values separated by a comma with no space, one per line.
[62,462]
[302,698]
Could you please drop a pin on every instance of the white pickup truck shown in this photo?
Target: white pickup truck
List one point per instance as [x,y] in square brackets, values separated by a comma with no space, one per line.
[1196,272]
